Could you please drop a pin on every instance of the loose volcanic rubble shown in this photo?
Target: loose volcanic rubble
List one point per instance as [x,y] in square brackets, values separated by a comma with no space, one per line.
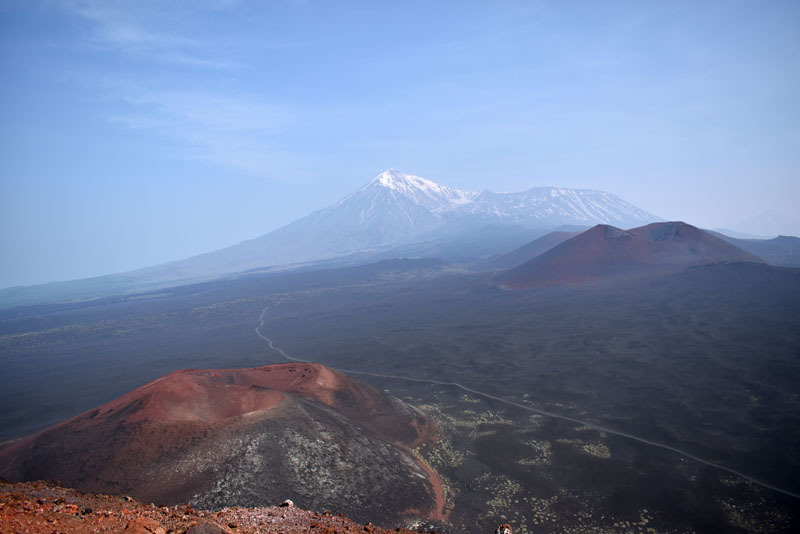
[44,507]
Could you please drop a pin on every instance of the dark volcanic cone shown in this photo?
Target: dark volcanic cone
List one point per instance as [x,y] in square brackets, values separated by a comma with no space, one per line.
[606,252]
[243,437]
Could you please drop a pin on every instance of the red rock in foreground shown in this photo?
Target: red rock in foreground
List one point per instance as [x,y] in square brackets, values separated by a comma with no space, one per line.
[245,437]
[41,507]
[605,253]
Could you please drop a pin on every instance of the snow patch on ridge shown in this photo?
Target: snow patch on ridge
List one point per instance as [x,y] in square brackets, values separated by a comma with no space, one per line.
[417,202]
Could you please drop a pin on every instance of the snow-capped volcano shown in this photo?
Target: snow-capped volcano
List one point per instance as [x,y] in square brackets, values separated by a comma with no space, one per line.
[405,194]
[401,214]
[397,209]
[393,208]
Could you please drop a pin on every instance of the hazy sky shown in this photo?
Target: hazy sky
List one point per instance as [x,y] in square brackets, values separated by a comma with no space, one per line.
[136,132]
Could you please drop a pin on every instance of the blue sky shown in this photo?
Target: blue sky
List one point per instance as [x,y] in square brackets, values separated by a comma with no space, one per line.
[137,132]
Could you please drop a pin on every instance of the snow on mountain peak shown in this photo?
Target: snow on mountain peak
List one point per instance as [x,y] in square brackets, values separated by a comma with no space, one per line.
[391,177]
[397,209]
[411,205]
[400,181]
[421,191]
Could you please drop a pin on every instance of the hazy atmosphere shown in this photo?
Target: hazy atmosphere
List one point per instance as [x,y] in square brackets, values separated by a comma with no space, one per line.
[299,266]
[138,132]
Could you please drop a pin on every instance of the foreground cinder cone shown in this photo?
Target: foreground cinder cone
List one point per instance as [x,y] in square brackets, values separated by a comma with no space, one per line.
[245,437]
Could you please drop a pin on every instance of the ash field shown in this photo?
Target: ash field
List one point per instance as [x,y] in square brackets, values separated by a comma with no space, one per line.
[660,405]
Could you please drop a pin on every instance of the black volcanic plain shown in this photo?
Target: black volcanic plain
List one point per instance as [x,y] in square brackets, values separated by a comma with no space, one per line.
[705,361]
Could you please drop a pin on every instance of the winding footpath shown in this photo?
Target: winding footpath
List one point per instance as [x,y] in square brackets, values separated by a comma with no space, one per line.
[532,410]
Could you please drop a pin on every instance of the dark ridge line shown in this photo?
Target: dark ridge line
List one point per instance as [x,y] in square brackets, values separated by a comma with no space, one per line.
[536,411]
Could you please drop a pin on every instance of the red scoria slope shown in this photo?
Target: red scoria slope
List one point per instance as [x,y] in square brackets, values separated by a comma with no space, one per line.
[605,252]
[247,437]
[41,507]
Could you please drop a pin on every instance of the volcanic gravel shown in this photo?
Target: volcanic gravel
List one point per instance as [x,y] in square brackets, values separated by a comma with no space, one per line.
[43,507]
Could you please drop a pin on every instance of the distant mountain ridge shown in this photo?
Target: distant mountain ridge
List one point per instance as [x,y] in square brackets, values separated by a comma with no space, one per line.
[554,206]
[783,250]
[397,209]
[393,214]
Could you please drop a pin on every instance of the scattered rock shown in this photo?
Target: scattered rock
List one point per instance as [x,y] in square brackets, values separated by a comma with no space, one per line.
[144,525]
[21,511]
[208,527]
[287,503]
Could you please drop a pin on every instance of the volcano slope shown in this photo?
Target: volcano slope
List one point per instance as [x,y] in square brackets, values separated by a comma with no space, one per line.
[529,251]
[608,253]
[244,437]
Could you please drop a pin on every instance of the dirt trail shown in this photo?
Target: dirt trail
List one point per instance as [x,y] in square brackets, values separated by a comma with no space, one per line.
[531,409]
